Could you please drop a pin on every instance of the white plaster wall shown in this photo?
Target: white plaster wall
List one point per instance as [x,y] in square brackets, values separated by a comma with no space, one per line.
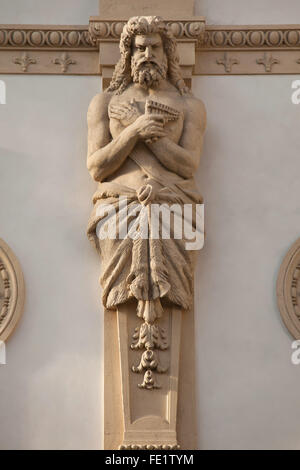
[47,12]
[249,12]
[248,390]
[51,388]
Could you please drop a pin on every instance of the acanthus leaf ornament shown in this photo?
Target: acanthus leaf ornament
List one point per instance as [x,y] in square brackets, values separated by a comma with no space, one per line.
[64,61]
[25,60]
[267,61]
[227,62]
[151,337]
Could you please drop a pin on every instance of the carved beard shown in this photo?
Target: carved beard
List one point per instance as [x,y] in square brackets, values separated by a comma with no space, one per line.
[148,73]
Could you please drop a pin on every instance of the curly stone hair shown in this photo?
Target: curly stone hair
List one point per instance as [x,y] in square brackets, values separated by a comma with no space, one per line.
[146,25]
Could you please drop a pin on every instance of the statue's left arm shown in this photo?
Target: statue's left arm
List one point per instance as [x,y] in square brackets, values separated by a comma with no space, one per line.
[183,158]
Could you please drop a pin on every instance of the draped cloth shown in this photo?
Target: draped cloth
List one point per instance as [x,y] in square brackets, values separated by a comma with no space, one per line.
[144,268]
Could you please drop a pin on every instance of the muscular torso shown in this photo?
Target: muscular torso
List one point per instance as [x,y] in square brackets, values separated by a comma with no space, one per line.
[130,174]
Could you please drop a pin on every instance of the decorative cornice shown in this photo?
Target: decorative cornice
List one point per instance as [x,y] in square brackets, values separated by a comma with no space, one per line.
[217,50]
[251,37]
[44,49]
[207,37]
[45,37]
[248,50]
[183,30]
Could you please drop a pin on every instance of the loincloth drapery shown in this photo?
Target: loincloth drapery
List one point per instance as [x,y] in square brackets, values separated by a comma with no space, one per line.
[144,268]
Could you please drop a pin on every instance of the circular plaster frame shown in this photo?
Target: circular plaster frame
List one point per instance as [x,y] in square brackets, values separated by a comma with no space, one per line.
[288,290]
[12,291]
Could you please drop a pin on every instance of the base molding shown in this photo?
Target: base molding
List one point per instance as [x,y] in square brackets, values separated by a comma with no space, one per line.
[122,429]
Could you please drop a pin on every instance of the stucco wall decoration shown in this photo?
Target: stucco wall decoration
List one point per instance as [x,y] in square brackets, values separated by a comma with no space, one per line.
[145,139]
[93,49]
[144,144]
[12,291]
[288,290]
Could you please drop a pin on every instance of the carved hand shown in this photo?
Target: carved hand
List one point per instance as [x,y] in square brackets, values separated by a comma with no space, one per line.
[126,113]
[149,126]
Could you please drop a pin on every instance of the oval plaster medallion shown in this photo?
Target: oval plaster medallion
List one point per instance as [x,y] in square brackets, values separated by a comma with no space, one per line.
[288,290]
[12,291]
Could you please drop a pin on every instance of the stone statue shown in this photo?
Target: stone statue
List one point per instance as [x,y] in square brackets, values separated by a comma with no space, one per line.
[145,137]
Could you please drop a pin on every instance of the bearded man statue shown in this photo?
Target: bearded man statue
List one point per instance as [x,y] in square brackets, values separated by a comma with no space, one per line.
[145,137]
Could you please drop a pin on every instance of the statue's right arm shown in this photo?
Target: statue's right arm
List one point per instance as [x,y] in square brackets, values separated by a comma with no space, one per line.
[105,154]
